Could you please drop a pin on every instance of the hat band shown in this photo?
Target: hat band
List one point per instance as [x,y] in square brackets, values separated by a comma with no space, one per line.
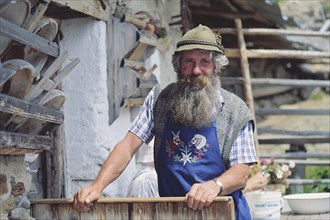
[187,42]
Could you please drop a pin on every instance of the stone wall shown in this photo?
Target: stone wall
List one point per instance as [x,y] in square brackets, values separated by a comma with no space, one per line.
[15,183]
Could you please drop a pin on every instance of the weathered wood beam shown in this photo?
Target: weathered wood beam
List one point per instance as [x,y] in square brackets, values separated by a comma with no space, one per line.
[308,181]
[291,82]
[296,83]
[246,75]
[94,8]
[289,132]
[136,21]
[134,208]
[36,89]
[33,19]
[277,54]
[221,14]
[305,162]
[20,107]
[131,102]
[133,64]
[295,155]
[22,143]
[273,32]
[293,140]
[23,36]
[277,111]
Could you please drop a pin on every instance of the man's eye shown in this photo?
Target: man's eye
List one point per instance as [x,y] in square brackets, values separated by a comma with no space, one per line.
[205,61]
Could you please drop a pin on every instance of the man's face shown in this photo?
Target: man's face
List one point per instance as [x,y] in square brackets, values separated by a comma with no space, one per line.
[195,63]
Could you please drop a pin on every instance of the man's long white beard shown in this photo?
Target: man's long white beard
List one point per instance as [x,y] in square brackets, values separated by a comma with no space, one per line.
[194,101]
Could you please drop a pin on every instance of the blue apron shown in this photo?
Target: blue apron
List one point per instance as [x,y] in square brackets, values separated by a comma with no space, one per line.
[191,155]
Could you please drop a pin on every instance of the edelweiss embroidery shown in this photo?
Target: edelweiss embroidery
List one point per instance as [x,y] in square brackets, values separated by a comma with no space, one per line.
[183,153]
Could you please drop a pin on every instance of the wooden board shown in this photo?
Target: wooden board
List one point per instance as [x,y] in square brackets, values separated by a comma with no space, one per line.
[16,143]
[95,8]
[23,36]
[134,208]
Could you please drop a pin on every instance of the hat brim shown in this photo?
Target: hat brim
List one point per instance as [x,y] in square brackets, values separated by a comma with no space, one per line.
[197,46]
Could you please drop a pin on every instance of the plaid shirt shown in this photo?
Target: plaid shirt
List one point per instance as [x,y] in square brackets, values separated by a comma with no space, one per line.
[242,151]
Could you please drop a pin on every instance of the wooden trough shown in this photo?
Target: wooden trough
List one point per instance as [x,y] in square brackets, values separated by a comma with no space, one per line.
[134,208]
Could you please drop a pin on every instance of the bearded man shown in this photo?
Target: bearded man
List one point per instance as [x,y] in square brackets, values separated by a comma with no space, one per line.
[203,134]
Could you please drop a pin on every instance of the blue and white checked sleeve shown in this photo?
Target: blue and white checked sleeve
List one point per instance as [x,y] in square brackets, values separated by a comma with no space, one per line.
[243,150]
[143,125]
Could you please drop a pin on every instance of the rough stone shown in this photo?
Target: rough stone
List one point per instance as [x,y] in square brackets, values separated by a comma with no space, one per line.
[3,184]
[20,214]
[3,216]
[17,188]
[8,204]
[23,201]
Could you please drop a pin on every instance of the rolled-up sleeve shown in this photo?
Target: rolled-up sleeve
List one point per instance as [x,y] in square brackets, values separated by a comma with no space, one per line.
[143,125]
[243,149]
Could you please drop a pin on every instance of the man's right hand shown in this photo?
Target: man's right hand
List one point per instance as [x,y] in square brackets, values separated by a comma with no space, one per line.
[84,198]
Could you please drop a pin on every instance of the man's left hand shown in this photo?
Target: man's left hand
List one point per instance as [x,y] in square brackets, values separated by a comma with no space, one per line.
[202,194]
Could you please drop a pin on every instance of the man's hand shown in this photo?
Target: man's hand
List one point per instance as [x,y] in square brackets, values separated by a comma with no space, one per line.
[84,198]
[202,194]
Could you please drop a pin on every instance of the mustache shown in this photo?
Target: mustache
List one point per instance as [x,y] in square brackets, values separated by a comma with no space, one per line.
[195,82]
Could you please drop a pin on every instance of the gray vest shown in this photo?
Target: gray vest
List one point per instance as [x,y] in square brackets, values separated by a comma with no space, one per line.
[231,118]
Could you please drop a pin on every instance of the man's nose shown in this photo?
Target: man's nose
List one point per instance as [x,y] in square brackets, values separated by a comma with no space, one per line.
[196,70]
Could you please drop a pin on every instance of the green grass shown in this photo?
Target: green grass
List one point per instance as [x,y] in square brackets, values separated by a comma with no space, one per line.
[317,172]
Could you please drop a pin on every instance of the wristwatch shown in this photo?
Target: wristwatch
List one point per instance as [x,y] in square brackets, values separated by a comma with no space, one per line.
[219,184]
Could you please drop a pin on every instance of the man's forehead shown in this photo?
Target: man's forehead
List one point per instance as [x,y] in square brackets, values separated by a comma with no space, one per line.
[196,52]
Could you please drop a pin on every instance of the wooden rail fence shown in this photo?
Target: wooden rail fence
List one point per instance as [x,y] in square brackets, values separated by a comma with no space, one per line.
[133,209]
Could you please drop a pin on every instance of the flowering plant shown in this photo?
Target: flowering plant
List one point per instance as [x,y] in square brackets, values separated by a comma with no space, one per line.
[276,173]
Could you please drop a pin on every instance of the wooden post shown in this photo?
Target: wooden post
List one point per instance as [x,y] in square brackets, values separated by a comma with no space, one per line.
[246,75]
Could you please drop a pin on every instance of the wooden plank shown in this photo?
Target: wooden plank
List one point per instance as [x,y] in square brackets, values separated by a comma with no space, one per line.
[277,54]
[305,162]
[293,140]
[55,166]
[296,83]
[92,8]
[142,211]
[20,142]
[148,40]
[23,36]
[295,132]
[118,46]
[138,51]
[96,212]
[308,181]
[33,19]
[17,151]
[277,111]
[134,208]
[133,64]
[226,199]
[58,79]
[291,82]
[296,155]
[273,32]
[131,102]
[55,66]
[133,20]
[64,211]
[36,94]
[23,108]
[44,211]
[117,210]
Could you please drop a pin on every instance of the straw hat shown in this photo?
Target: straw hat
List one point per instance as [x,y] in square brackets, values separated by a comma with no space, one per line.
[200,37]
